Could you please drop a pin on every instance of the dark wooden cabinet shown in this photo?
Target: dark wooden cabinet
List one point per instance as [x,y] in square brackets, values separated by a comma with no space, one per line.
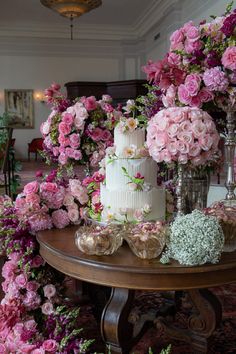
[120,91]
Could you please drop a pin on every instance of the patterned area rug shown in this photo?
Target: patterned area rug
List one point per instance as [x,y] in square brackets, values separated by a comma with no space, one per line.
[223,340]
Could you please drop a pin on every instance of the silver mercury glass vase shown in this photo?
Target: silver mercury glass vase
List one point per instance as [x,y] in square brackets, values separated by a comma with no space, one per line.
[230,184]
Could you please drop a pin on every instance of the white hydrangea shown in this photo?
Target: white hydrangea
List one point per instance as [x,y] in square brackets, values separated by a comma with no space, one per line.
[194,239]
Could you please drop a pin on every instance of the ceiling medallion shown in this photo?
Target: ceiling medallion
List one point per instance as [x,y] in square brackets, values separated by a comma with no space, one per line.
[71,8]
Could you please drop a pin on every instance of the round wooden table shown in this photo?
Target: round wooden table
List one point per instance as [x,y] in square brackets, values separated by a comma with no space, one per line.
[125,273]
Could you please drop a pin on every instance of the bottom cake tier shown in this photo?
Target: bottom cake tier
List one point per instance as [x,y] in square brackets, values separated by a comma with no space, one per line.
[124,205]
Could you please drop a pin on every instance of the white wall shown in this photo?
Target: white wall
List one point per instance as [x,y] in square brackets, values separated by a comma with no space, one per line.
[30,72]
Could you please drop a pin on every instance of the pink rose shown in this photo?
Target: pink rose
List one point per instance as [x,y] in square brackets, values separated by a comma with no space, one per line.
[31,187]
[63,159]
[177,39]
[32,285]
[174,59]
[96,134]
[229,58]
[192,33]
[38,351]
[37,261]
[183,159]
[205,95]
[50,345]
[47,308]
[67,118]
[49,291]
[77,155]
[205,142]
[194,149]
[195,102]
[192,84]
[48,187]
[63,140]
[74,140]
[32,198]
[183,94]
[73,214]
[191,47]
[182,146]
[106,135]
[64,128]
[169,99]
[198,128]
[21,280]
[45,128]
[172,130]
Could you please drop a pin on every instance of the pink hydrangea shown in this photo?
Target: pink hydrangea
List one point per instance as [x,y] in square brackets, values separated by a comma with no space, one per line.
[60,218]
[40,221]
[215,79]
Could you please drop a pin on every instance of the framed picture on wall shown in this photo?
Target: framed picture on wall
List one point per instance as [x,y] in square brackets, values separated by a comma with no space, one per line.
[19,105]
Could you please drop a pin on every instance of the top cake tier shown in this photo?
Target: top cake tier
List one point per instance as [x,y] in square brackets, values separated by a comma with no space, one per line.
[125,140]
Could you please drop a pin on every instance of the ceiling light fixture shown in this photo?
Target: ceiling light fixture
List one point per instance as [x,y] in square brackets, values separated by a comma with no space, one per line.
[71,8]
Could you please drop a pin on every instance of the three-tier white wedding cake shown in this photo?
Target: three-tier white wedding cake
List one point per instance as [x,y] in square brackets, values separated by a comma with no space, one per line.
[130,191]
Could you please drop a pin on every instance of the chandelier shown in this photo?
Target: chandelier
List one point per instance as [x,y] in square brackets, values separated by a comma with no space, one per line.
[71,8]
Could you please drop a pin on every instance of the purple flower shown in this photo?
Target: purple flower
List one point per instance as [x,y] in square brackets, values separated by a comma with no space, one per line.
[212,59]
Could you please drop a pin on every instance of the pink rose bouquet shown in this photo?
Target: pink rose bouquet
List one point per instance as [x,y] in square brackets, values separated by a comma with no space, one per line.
[51,202]
[182,134]
[200,68]
[79,133]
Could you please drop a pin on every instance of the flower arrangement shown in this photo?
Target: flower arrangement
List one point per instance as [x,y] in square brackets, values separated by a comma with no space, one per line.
[51,202]
[34,316]
[146,239]
[194,239]
[226,215]
[199,69]
[182,134]
[79,132]
[99,240]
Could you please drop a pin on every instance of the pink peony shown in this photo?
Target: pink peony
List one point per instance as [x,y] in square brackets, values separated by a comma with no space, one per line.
[229,58]
[21,280]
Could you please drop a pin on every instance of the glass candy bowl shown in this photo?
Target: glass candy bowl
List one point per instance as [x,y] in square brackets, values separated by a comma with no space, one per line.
[98,240]
[146,239]
[226,216]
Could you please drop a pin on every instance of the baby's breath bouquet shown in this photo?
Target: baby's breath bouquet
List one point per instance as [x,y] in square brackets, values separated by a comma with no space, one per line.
[194,239]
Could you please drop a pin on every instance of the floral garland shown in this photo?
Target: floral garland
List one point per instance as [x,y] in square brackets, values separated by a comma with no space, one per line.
[34,316]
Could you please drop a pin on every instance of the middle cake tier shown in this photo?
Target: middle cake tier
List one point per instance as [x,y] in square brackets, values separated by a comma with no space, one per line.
[116,178]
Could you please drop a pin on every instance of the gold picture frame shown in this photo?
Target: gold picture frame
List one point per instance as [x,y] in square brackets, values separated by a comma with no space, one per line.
[19,105]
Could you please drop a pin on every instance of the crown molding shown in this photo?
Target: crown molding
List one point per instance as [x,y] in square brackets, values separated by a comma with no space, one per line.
[142,25]
[28,46]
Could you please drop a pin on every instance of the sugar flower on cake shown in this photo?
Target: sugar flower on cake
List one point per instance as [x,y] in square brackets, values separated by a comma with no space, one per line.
[182,134]
[79,133]
[199,70]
